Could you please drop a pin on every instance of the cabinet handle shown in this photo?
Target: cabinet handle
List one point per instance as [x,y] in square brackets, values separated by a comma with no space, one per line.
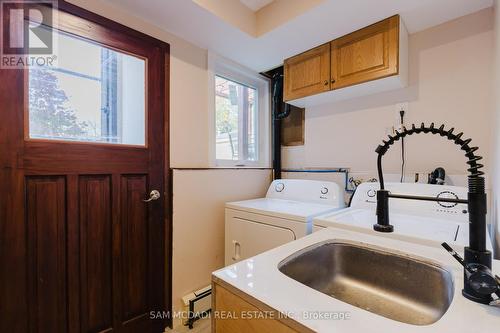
[326,82]
[237,250]
[333,81]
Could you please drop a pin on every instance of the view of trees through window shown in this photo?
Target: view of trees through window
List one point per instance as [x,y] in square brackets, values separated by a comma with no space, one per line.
[49,113]
[236,121]
[94,94]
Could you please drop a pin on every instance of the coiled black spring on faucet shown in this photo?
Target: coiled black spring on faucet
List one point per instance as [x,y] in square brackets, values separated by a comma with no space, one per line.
[474,169]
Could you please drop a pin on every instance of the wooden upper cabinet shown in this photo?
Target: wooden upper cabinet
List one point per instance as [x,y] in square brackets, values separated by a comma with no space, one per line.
[307,73]
[367,54]
[376,52]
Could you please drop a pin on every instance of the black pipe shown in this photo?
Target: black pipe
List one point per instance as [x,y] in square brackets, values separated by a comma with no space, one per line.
[279,111]
[415,197]
[277,101]
[276,148]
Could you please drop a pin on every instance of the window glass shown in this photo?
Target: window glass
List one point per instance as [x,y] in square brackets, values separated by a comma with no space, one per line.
[236,121]
[94,94]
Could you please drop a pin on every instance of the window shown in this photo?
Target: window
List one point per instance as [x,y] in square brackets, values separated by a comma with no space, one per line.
[235,121]
[94,94]
[241,116]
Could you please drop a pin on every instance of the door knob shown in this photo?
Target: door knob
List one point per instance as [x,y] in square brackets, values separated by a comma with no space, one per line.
[154,195]
[326,82]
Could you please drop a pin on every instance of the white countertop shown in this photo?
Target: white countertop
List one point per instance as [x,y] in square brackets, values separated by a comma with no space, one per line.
[259,277]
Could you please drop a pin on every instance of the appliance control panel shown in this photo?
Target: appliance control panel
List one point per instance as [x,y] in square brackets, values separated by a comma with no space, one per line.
[304,190]
[366,197]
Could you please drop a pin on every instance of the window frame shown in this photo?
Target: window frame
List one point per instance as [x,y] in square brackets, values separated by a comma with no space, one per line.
[106,33]
[218,66]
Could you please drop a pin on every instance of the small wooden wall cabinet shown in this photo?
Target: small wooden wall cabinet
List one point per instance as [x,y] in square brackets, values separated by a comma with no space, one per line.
[367,61]
[234,311]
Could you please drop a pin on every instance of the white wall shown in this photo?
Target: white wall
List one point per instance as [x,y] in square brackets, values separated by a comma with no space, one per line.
[450,83]
[198,222]
[198,233]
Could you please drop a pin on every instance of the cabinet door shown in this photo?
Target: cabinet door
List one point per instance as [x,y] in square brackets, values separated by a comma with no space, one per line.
[245,238]
[367,54]
[307,73]
[234,314]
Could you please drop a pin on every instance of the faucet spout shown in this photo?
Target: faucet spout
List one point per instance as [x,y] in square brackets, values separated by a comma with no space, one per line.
[476,254]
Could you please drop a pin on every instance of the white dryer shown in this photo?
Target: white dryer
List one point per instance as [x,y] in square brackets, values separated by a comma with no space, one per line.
[424,222]
[285,214]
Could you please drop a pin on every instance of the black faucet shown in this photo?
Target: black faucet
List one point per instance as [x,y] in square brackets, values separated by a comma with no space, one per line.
[479,282]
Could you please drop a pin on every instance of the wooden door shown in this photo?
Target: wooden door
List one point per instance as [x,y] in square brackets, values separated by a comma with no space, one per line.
[80,251]
[367,54]
[307,73]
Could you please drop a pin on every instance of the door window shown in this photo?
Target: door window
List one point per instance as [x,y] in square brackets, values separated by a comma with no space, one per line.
[93,94]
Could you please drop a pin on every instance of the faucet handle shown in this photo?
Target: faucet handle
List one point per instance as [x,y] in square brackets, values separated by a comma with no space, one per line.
[457,257]
[480,277]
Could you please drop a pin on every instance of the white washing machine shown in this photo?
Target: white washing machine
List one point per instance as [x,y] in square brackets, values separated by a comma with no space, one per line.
[424,222]
[285,214]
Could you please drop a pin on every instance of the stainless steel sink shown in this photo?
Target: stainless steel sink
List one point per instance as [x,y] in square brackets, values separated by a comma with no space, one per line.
[400,287]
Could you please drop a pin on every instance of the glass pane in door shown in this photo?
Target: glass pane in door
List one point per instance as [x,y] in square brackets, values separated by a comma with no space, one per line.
[94,94]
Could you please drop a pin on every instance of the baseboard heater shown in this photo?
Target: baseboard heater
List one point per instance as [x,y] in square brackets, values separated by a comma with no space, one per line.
[198,304]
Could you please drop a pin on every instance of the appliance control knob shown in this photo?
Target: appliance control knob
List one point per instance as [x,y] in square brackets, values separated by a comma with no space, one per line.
[324,190]
[279,187]
[447,195]
[371,193]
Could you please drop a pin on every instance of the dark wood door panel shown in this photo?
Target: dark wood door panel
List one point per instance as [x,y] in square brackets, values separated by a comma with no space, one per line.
[46,221]
[79,249]
[13,253]
[96,253]
[135,256]
[83,158]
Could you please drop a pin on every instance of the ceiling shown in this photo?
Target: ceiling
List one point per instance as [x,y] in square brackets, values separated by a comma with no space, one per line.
[255,5]
[317,25]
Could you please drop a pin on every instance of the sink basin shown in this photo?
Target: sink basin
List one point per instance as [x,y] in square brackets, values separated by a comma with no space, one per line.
[397,286]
